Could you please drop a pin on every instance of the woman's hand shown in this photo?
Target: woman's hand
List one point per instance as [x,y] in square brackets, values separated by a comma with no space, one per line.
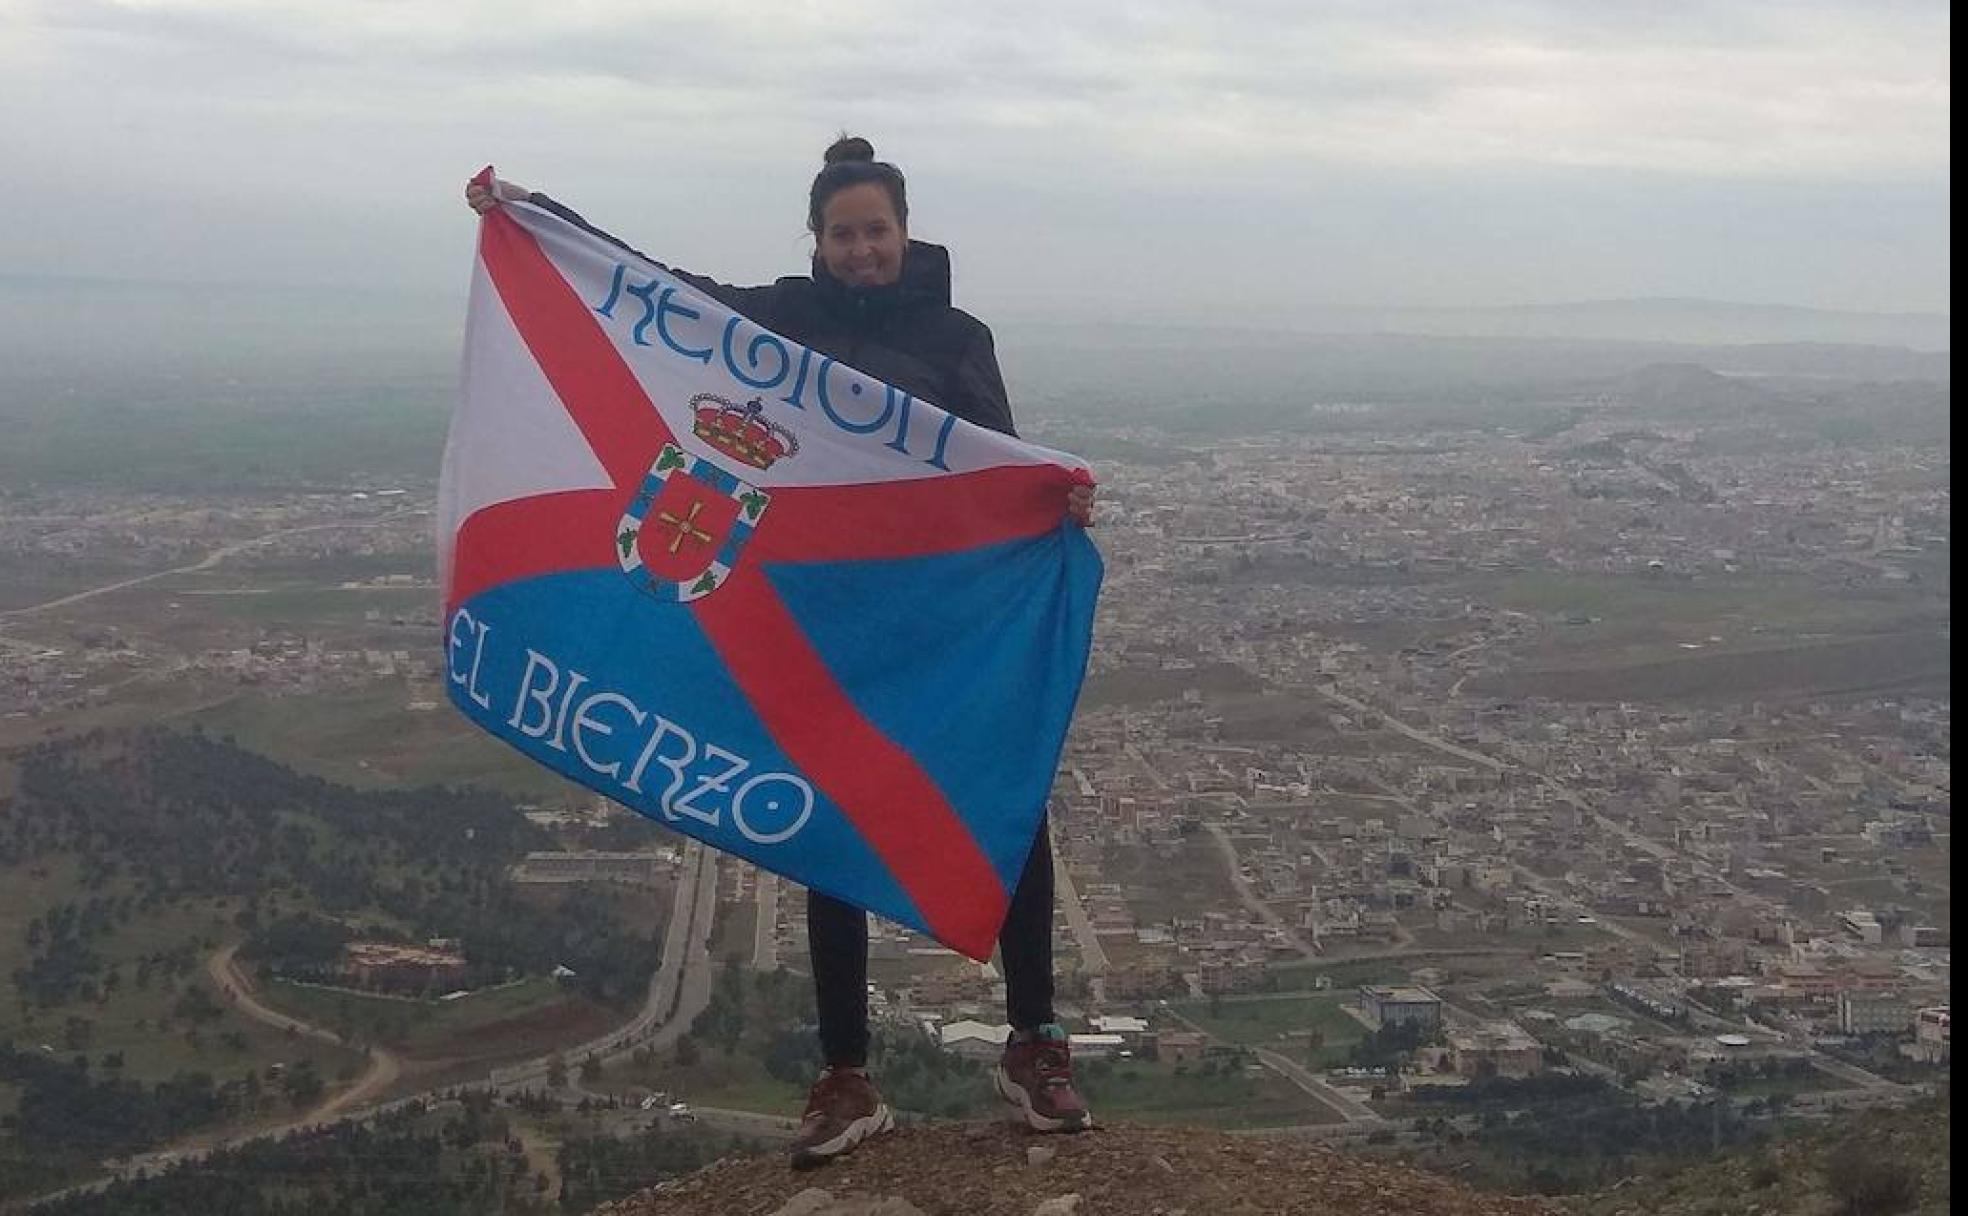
[482,200]
[1079,505]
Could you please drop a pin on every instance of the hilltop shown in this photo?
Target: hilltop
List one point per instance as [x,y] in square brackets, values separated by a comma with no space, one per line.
[995,1169]
[1876,1162]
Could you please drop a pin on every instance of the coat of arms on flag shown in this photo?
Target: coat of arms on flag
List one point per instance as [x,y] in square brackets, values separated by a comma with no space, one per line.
[682,533]
[751,593]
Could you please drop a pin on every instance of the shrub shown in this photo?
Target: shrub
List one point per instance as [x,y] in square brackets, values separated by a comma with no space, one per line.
[1866,1183]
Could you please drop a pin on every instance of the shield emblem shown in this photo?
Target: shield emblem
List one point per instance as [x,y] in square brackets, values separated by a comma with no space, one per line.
[686,525]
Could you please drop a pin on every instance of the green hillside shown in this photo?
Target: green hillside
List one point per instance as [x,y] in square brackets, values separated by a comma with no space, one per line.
[1864,1163]
[134,866]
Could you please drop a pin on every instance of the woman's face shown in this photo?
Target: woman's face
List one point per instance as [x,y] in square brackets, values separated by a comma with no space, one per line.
[861,240]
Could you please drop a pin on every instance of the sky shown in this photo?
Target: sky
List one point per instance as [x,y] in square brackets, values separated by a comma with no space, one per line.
[1152,159]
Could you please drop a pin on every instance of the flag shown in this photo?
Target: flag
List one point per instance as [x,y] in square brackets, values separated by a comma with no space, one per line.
[751,593]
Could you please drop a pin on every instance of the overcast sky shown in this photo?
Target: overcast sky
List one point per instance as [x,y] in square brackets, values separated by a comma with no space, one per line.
[1094,158]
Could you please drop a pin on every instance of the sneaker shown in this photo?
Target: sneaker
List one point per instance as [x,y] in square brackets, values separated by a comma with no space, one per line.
[843,1109]
[1036,1078]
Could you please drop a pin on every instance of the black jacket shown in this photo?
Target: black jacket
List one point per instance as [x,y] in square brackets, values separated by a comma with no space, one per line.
[906,334]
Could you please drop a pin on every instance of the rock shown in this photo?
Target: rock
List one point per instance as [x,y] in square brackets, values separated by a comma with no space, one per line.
[1063,1205]
[815,1202]
[810,1202]
[1037,1155]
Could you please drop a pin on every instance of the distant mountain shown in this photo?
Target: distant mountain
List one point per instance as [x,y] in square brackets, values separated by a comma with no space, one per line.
[1683,387]
[1699,322]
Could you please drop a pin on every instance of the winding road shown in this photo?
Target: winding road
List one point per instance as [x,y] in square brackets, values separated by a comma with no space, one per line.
[678,992]
[384,1067]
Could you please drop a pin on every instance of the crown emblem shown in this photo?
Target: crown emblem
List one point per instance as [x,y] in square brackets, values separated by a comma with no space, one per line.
[741,431]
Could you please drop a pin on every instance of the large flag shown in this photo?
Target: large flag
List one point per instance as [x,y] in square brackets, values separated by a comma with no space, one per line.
[751,593]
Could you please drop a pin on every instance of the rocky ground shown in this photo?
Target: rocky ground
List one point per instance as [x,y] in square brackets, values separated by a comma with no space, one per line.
[999,1170]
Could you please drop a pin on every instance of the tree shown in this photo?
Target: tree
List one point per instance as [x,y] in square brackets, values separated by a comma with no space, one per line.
[591,1068]
[304,1085]
[1866,1183]
[557,1072]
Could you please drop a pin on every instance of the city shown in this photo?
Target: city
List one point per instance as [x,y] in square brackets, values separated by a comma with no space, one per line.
[1408,760]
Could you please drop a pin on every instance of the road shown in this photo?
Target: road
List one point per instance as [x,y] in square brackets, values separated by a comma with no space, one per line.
[765,941]
[1350,1107]
[1093,956]
[1345,1105]
[206,563]
[382,1072]
[1153,775]
[678,992]
[1258,907]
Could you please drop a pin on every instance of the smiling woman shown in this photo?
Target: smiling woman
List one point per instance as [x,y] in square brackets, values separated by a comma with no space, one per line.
[877,303]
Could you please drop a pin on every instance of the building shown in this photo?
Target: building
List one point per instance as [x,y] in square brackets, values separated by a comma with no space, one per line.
[953,985]
[974,1040]
[1131,1030]
[1864,1013]
[1495,1049]
[1402,1007]
[399,967]
[1142,981]
[1863,925]
[1097,1046]
[1930,1035]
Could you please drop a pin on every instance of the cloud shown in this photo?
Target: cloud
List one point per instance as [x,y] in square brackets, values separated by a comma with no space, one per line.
[1727,89]
[1123,117]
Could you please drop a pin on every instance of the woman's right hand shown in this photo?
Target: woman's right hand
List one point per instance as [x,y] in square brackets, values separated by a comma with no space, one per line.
[482,200]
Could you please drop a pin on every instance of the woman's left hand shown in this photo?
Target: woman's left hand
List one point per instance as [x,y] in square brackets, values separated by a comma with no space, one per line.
[1079,505]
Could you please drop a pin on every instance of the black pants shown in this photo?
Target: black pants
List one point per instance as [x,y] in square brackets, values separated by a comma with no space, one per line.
[837,938]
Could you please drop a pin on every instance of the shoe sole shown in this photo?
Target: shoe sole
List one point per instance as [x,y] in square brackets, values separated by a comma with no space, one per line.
[1021,1102]
[851,1136]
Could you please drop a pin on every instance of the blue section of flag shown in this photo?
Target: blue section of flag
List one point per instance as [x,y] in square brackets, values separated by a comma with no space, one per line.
[595,623]
[997,635]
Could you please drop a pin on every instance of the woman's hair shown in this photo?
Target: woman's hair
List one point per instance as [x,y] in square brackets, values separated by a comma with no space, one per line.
[851,162]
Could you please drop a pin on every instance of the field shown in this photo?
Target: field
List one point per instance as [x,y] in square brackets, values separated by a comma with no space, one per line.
[1144,685]
[1722,638]
[512,1021]
[1343,975]
[1907,663]
[1143,1091]
[369,738]
[140,1019]
[736,1082]
[1163,883]
[1281,1024]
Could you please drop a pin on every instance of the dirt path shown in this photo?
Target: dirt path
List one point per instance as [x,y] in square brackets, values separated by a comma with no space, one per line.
[384,1067]
[1257,907]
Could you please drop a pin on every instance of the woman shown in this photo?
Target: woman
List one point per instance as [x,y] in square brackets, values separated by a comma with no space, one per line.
[880,302]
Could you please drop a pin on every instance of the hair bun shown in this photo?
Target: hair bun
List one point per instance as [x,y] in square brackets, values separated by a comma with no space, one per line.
[849,148]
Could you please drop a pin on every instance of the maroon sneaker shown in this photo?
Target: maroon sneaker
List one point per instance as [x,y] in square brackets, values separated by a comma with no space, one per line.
[843,1109]
[1036,1078]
